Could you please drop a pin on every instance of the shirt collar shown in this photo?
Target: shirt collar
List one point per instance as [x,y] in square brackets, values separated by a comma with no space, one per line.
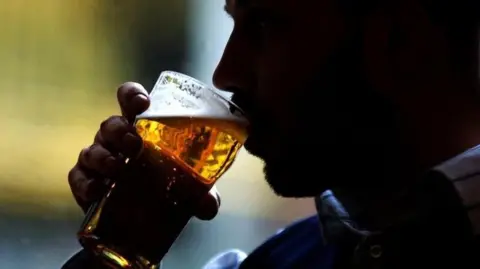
[462,171]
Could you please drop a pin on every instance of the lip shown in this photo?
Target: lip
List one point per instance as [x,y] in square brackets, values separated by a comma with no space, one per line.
[254,144]
[250,145]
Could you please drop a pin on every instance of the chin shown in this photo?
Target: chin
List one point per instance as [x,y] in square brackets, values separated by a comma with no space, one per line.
[287,176]
[293,180]
[255,147]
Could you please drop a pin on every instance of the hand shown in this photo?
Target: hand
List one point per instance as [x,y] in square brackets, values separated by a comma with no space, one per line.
[115,140]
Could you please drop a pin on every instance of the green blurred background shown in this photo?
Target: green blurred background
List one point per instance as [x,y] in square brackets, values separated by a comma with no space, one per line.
[60,64]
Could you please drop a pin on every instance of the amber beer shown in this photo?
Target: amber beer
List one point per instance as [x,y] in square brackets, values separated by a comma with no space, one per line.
[138,220]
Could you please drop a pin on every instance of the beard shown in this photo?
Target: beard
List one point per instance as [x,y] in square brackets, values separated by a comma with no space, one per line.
[344,135]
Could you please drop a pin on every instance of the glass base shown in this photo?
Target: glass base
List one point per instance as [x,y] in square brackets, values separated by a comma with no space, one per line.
[113,257]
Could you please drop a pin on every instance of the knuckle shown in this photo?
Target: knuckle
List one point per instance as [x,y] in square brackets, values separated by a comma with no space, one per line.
[113,127]
[75,179]
[71,176]
[90,156]
[98,138]
[106,124]
[85,153]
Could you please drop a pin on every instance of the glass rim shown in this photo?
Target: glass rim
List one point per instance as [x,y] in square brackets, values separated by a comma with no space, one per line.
[209,88]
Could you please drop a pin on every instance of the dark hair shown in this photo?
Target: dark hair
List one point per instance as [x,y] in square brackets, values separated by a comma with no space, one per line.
[460,20]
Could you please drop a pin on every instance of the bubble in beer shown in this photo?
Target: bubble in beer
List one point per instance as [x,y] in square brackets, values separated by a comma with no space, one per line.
[204,145]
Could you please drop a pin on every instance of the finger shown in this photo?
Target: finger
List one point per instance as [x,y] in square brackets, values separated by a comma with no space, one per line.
[85,190]
[116,134]
[208,206]
[99,160]
[133,99]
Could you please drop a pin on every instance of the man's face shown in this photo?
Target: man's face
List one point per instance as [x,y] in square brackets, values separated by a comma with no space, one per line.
[293,66]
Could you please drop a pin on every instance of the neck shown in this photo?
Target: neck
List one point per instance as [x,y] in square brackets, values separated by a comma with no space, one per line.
[390,196]
[377,208]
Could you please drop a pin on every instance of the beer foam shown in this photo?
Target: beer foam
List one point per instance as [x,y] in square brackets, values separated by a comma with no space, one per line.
[187,98]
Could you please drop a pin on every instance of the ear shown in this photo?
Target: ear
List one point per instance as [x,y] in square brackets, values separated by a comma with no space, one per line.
[405,53]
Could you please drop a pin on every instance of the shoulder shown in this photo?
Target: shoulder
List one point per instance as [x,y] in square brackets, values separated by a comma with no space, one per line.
[461,175]
[299,245]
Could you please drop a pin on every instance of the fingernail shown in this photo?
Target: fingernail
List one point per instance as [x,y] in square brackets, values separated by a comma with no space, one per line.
[141,96]
[142,102]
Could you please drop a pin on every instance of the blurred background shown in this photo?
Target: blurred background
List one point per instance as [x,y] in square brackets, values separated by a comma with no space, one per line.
[60,64]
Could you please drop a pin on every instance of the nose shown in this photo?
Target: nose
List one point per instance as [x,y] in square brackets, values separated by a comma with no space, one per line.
[235,70]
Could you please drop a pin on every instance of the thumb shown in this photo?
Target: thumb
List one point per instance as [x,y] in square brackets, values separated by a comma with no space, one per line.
[208,207]
[133,99]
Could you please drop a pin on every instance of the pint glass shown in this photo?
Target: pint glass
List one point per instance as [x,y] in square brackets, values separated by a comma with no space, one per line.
[191,136]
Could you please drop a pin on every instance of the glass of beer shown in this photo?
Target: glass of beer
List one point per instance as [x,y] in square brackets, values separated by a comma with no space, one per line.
[191,136]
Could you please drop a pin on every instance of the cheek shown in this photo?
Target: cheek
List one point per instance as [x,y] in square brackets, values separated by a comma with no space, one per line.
[280,80]
[289,64]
